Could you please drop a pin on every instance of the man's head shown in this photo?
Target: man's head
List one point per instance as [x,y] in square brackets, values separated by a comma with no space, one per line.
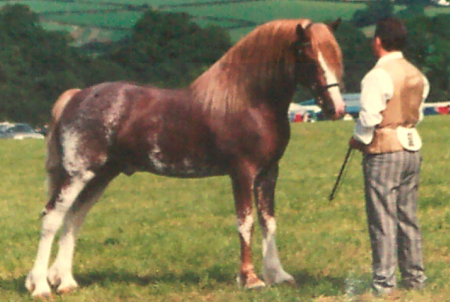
[390,35]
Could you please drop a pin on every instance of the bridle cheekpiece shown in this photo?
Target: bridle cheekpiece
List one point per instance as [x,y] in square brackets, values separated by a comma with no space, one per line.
[316,90]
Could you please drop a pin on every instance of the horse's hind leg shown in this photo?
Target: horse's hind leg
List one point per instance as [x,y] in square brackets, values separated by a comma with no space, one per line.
[60,273]
[242,189]
[264,191]
[60,203]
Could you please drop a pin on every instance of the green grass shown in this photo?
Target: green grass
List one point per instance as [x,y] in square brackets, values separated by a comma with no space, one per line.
[152,238]
[117,19]
[46,6]
[269,10]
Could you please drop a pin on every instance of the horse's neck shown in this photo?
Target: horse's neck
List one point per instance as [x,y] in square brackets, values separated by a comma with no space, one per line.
[233,87]
[277,91]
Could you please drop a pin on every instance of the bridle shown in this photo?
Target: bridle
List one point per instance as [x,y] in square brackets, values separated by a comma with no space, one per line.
[316,90]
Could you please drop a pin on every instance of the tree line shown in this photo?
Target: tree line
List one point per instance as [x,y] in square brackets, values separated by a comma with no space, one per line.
[36,66]
[170,50]
[428,44]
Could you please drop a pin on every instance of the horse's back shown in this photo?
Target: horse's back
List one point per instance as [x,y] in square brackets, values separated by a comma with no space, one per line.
[140,128]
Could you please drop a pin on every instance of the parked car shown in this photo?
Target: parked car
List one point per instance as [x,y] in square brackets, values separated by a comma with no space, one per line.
[21,131]
[441,2]
[3,127]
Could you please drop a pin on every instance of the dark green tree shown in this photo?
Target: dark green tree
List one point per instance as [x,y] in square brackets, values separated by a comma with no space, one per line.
[374,11]
[414,2]
[428,45]
[169,49]
[36,66]
[357,55]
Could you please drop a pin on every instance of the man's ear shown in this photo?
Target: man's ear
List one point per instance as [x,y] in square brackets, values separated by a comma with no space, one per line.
[335,24]
[377,41]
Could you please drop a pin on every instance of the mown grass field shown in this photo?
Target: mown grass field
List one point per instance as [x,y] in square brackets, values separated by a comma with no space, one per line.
[152,238]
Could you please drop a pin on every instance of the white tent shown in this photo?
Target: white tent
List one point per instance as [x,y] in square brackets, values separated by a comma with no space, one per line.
[293,107]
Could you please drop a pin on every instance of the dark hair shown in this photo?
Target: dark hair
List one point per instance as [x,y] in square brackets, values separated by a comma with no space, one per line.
[392,33]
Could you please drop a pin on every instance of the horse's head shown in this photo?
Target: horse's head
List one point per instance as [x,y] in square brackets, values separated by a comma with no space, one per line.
[320,67]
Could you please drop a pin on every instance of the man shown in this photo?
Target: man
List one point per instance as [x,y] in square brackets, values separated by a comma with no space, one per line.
[392,95]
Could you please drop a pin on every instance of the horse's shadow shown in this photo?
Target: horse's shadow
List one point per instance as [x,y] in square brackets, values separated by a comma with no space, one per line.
[214,276]
[306,283]
[109,276]
[13,285]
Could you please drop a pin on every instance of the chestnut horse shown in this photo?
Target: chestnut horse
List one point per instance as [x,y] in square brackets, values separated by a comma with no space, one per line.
[232,120]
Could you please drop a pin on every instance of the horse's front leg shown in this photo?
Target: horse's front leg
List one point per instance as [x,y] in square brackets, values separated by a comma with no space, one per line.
[264,191]
[242,190]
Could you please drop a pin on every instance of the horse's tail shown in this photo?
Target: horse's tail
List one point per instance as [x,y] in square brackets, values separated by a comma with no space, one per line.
[62,102]
[54,161]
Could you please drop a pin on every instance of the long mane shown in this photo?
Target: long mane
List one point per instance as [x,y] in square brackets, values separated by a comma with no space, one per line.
[257,64]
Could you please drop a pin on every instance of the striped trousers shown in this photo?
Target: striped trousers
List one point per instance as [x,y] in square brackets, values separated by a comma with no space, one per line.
[391,191]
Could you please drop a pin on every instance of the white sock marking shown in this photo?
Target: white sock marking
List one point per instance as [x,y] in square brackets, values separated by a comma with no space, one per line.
[273,271]
[245,227]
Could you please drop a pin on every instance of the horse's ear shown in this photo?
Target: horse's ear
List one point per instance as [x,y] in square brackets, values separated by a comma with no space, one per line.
[301,33]
[335,24]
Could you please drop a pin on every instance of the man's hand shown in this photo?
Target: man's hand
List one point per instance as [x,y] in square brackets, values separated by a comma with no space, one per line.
[354,144]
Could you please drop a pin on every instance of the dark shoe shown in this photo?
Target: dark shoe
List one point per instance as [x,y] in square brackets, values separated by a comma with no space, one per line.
[414,285]
[380,291]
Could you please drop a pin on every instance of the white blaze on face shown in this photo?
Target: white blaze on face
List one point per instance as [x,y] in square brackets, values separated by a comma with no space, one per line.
[335,92]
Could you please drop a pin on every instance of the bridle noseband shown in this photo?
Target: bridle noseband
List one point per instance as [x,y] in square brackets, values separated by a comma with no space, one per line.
[317,90]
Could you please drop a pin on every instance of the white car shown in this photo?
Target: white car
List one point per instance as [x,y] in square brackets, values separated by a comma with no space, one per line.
[21,131]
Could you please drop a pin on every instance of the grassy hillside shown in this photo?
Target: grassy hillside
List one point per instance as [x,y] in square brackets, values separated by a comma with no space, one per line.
[152,238]
[90,20]
[112,19]
[260,12]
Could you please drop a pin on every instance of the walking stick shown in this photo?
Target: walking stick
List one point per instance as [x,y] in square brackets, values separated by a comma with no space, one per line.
[341,173]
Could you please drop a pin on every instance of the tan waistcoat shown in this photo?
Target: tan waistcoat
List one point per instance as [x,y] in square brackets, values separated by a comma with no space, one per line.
[402,109]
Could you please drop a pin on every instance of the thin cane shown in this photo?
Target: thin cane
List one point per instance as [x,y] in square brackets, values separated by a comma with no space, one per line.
[341,173]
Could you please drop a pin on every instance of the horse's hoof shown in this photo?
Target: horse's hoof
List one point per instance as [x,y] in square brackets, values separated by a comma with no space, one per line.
[67,286]
[43,297]
[29,284]
[290,282]
[66,290]
[250,282]
[39,290]
[255,284]
[273,276]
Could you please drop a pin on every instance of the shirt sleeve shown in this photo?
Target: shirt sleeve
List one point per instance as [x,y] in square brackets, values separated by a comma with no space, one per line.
[376,89]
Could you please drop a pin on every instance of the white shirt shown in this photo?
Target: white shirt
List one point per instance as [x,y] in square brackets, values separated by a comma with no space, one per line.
[376,89]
